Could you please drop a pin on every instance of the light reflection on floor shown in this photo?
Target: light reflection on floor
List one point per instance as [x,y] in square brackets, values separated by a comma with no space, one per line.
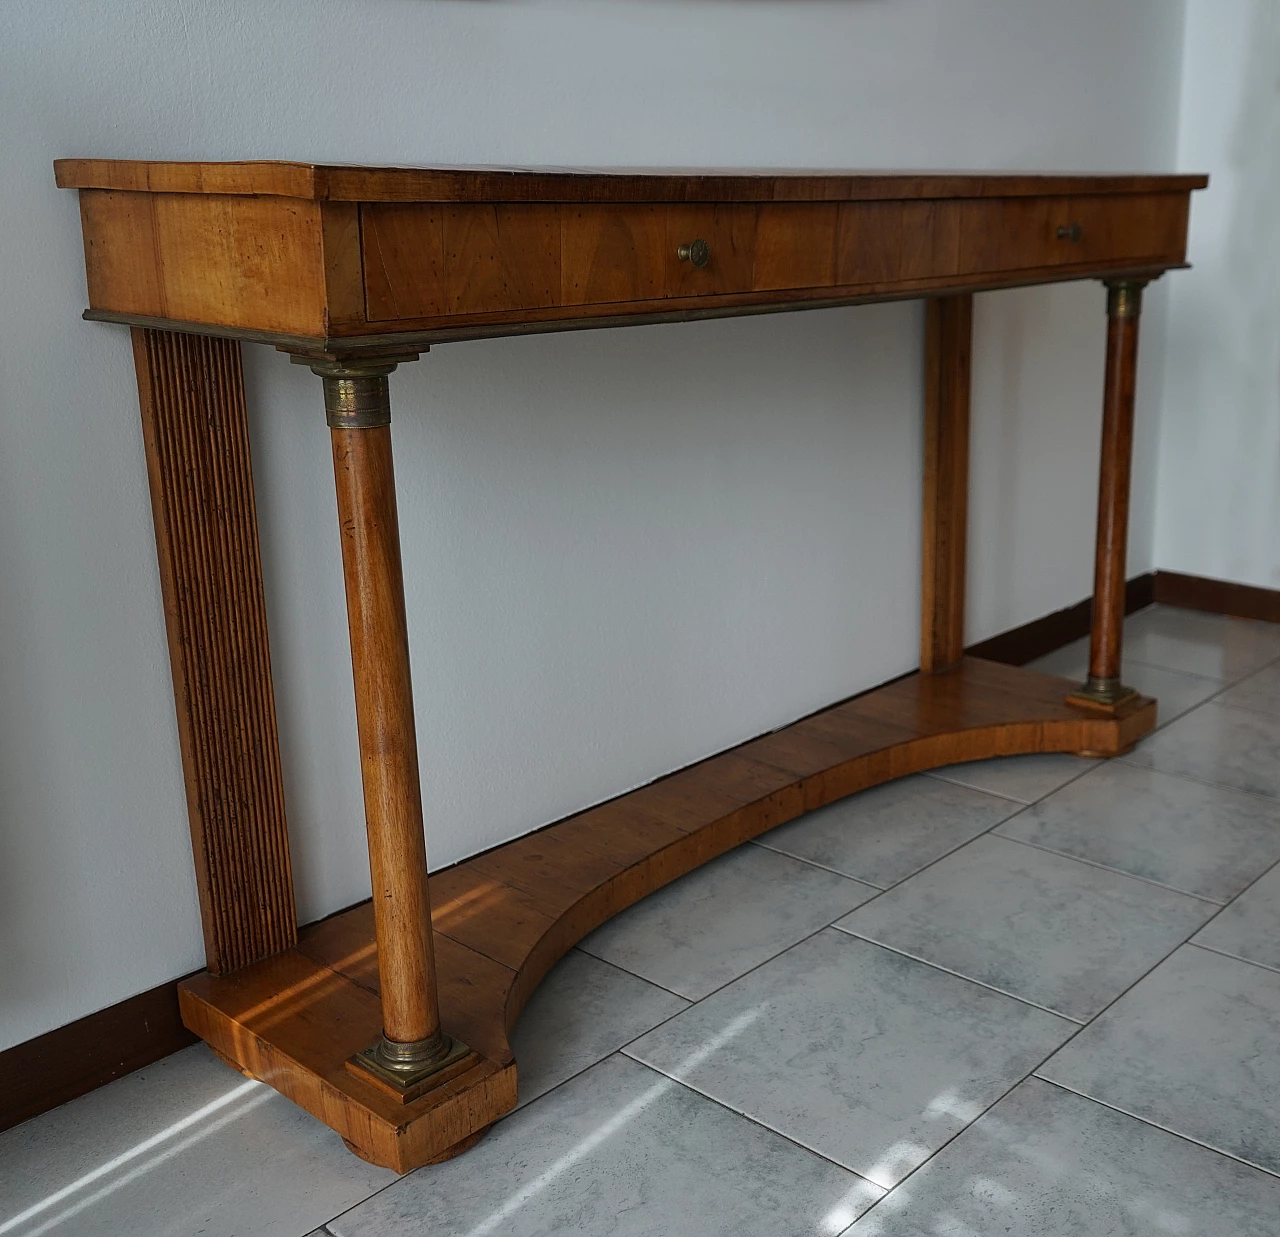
[615,1123]
[36,1210]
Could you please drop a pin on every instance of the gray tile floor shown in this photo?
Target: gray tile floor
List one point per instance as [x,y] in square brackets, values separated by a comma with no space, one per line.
[1034,996]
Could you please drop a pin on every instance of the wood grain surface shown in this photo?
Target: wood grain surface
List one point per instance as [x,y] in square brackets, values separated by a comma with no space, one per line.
[331,182]
[947,349]
[196,434]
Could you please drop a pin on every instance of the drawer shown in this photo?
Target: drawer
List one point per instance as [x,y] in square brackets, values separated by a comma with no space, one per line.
[1028,233]
[426,260]
[434,260]
[730,234]
[628,253]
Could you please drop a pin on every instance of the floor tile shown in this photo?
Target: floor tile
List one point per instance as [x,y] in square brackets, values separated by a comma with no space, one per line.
[1062,934]
[1176,691]
[867,1057]
[884,834]
[1250,927]
[583,1011]
[184,1146]
[1021,778]
[1218,743]
[1046,1163]
[1259,691]
[1201,839]
[1191,1048]
[718,922]
[622,1151]
[1211,645]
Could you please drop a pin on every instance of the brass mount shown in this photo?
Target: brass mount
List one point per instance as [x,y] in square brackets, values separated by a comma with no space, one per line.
[1124,297]
[1102,693]
[356,396]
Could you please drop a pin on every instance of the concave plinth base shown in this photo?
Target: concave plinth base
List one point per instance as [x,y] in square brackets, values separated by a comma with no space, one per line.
[504,918]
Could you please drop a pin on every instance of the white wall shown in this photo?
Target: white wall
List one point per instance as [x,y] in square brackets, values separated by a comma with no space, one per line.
[1219,493]
[624,550]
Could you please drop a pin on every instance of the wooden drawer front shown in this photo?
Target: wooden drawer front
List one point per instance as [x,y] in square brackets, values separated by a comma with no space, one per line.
[613,253]
[426,261]
[628,253]
[1027,233]
[795,246]
[884,242]
[730,231]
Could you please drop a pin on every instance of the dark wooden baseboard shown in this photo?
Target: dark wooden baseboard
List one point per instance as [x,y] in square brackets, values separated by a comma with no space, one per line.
[1047,635]
[83,1055]
[1217,596]
[73,1060]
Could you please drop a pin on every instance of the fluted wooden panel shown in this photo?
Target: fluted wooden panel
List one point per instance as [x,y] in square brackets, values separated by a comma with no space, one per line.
[191,392]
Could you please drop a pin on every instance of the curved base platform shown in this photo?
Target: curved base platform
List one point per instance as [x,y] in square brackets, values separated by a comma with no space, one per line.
[504,918]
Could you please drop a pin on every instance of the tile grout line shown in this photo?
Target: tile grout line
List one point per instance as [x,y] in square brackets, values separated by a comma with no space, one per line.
[746,1116]
[1096,762]
[1033,1073]
[1093,863]
[813,863]
[1222,953]
[1244,708]
[1155,1125]
[879,891]
[1155,665]
[1201,781]
[622,970]
[937,966]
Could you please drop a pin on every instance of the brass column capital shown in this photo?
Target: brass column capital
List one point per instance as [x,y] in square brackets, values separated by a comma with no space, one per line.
[1124,297]
[356,395]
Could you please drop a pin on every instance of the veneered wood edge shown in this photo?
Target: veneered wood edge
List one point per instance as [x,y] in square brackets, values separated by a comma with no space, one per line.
[1010,711]
[1247,601]
[236,264]
[331,182]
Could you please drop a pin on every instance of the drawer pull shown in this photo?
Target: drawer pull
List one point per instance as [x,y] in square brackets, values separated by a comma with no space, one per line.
[1069,232]
[699,253]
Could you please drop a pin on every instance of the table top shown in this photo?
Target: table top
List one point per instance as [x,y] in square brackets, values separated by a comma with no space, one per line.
[319,182]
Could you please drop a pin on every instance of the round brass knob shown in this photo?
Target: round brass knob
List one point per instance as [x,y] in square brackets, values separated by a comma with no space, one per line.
[699,253]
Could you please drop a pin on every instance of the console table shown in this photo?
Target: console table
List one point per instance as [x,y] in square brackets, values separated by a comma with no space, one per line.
[389,1022]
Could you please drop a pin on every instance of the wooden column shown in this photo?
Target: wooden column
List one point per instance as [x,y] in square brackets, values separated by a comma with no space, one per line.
[1103,688]
[948,342]
[413,1047]
[195,430]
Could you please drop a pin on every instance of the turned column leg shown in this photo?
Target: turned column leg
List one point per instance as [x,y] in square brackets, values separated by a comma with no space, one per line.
[413,1047]
[1103,688]
[948,343]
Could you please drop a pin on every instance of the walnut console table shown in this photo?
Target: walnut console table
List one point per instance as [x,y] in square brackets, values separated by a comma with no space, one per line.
[390,1022]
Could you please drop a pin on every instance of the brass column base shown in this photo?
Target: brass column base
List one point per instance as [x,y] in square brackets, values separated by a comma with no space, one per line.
[407,1071]
[1102,694]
